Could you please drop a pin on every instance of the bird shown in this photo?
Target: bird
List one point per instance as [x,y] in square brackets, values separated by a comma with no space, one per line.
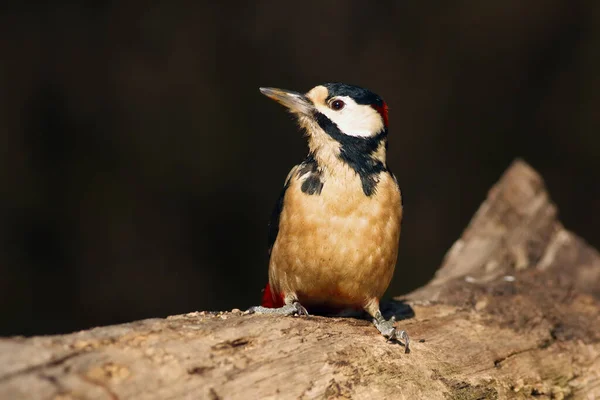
[334,232]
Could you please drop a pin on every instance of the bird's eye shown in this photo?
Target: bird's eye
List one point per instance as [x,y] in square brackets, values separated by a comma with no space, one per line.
[337,105]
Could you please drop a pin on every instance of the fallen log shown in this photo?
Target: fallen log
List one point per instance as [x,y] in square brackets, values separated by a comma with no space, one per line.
[513,312]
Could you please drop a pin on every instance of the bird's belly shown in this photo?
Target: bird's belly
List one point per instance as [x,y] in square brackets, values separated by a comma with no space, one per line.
[336,251]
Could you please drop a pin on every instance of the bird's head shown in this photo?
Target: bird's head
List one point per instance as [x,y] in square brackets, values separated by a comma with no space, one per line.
[338,118]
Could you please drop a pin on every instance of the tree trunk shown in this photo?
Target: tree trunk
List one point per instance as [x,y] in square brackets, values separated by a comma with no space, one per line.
[513,312]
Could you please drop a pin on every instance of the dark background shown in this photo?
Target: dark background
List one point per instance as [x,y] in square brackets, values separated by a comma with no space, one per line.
[139,163]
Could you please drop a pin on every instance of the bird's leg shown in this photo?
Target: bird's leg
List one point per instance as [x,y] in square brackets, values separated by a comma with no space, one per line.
[386,327]
[292,308]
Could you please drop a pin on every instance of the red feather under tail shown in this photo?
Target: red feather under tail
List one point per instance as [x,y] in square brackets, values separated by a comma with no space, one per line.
[271,300]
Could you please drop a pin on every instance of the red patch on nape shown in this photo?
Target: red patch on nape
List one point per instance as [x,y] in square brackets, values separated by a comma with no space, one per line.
[270,300]
[383,111]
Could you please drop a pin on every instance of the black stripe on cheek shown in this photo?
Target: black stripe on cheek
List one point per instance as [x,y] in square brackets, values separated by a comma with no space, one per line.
[357,153]
[329,127]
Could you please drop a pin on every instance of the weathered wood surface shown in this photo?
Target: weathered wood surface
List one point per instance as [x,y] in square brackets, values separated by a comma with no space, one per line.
[514,312]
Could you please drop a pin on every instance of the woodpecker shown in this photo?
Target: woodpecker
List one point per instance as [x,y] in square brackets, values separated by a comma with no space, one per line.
[334,232]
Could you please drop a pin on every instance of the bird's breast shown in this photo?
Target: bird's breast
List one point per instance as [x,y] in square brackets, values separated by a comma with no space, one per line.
[337,247]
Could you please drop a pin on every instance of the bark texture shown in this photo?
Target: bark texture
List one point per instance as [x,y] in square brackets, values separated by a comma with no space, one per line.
[513,312]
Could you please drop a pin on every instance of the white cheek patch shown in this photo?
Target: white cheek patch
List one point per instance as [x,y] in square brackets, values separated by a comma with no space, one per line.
[359,120]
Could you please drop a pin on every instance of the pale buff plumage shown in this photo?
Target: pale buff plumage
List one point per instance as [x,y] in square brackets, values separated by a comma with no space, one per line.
[339,248]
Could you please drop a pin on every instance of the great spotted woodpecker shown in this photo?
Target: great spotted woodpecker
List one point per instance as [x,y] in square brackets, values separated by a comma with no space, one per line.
[334,232]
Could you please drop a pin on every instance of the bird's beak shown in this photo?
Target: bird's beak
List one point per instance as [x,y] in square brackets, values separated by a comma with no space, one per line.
[294,101]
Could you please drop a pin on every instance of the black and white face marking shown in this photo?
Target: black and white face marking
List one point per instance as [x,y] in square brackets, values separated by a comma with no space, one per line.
[355,111]
[357,119]
[353,119]
[353,116]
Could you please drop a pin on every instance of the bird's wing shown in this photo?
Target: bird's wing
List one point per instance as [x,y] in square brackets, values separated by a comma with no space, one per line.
[274,222]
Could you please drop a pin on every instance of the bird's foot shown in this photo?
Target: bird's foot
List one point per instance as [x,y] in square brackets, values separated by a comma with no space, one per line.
[289,309]
[388,330]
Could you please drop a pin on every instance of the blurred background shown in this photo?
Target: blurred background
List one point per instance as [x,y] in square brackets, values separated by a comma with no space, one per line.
[139,163]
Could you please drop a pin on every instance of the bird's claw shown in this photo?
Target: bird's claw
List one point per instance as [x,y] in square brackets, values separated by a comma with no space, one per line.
[289,309]
[403,335]
[300,310]
[387,329]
